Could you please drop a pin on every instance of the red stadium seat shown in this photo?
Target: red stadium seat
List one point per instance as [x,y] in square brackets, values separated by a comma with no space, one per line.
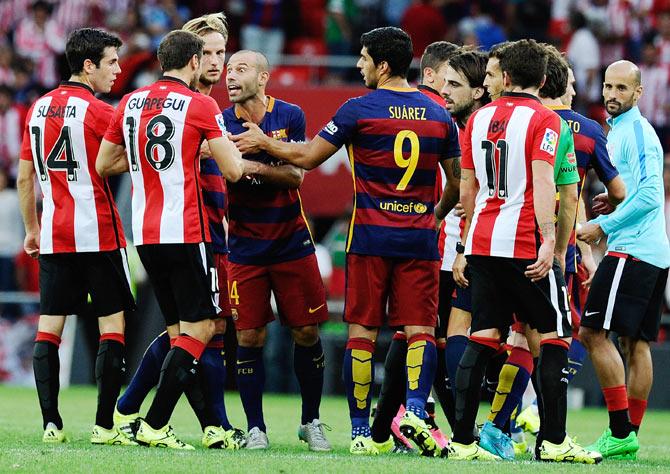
[291,75]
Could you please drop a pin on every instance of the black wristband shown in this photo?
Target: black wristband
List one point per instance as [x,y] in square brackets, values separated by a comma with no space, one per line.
[460,248]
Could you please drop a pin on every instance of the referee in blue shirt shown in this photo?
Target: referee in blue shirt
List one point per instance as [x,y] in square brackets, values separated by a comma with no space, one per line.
[627,290]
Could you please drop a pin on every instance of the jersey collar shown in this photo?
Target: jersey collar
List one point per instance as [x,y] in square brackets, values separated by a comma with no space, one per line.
[557,107]
[520,95]
[428,89]
[268,110]
[77,84]
[173,79]
[398,89]
[632,114]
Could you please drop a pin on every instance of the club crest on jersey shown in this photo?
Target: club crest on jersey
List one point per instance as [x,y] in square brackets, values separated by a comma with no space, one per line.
[549,141]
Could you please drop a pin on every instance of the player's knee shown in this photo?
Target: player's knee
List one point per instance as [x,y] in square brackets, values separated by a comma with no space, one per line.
[219,326]
[51,324]
[306,335]
[112,323]
[589,337]
[251,337]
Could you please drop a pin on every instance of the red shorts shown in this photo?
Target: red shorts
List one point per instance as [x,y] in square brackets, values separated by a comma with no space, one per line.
[578,296]
[221,262]
[410,286]
[296,284]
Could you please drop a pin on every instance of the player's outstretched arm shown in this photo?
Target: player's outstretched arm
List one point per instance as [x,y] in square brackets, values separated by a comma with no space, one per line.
[111,159]
[305,155]
[284,176]
[451,192]
[544,202]
[616,191]
[25,185]
[229,159]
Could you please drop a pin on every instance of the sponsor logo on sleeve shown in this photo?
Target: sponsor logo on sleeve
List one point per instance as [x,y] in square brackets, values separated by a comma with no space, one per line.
[549,141]
[221,123]
[331,128]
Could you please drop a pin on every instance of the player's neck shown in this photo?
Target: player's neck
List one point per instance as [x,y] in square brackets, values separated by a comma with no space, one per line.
[528,90]
[551,102]
[184,76]
[392,81]
[81,79]
[203,89]
[253,109]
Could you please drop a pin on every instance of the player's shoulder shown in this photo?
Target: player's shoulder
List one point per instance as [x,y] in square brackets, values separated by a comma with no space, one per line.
[283,107]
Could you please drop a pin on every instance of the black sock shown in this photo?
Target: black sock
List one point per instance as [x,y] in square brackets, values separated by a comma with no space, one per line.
[468,383]
[309,365]
[393,390]
[492,375]
[620,424]
[110,369]
[535,380]
[553,373]
[196,394]
[442,389]
[177,373]
[46,366]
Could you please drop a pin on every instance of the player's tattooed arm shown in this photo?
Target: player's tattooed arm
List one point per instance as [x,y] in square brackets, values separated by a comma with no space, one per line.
[304,155]
[450,194]
[283,176]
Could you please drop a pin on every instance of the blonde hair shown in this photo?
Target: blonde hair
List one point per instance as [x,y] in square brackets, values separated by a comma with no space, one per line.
[212,22]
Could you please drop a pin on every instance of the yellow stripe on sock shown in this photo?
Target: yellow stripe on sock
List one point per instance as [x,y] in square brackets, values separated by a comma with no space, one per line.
[361,371]
[414,363]
[505,382]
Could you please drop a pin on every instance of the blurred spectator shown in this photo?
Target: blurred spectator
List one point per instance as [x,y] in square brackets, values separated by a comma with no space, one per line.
[584,54]
[11,233]
[161,16]
[10,131]
[339,33]
[394,10]
[71,14]
[423,21]
[662,39]
[480,28]
[11,11]
[6,73]
[39,38]
[265,27]
[654,103]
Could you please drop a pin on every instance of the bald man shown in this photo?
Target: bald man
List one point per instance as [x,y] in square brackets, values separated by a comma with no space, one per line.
[627,290]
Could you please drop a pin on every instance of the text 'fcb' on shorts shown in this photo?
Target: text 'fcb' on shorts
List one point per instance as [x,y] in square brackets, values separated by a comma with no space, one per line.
[296,285]
[184,280]
[500,289]
[626,297]
[409,286]
[66,280]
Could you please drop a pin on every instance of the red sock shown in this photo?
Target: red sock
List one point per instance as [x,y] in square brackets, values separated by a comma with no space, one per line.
[636,408]
[616,398]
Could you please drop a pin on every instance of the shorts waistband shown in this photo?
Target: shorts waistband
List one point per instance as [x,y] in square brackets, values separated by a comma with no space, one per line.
[622,255]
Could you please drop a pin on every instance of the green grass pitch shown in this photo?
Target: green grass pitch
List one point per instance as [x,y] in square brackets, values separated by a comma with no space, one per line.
[21,449]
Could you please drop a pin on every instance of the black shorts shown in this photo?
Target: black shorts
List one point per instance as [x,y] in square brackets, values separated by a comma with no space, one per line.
[184,280]
[626,297]
[500,289]
[66,280]
[447,286]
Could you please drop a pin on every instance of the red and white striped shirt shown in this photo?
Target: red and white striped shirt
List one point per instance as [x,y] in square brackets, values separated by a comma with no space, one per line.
[62,137]
[501,141]
[162,126]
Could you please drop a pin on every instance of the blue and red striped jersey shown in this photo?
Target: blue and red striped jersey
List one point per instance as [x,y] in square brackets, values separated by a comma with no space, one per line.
[591,151]
[395,138]
[214,198]
[266,225]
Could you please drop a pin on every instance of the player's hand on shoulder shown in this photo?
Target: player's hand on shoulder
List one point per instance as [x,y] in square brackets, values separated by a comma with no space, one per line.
[601,204]
[458,270]
[590,233]
[543,264]
[249,141]
[31,244]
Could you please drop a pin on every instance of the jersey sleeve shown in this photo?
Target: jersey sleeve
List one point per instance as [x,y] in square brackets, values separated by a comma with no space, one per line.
[296,127]
[452,148]
[342,127]
[565,166]
[208,118]
[544,137]
[601,162]
[26,149]
[114,131]
[467,161]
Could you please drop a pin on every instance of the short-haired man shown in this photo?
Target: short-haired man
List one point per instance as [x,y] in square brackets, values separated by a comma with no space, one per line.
[156,134]
[508,193]
[395,136]
[79,241]
[626,295]
[272,251]
[206,397]
[392,394]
